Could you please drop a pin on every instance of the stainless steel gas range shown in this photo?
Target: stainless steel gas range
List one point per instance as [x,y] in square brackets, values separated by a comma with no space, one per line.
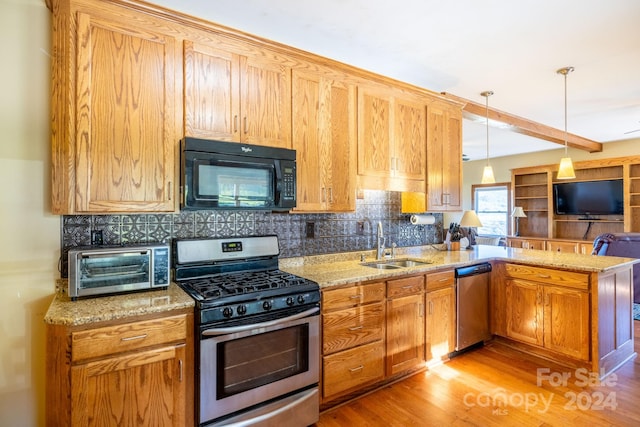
[257,333]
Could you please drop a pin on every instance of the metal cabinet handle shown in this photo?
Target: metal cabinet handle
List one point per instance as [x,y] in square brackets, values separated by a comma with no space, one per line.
[355,328]
[180,366]
[430,307]
[137,337]
[359,296]
[246,129]
[357,368]
[235,123]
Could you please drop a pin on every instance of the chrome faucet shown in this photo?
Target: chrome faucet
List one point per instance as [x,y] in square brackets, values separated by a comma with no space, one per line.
[380,249]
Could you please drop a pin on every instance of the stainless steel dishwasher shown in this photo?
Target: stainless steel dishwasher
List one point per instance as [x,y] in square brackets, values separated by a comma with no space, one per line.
[472,305]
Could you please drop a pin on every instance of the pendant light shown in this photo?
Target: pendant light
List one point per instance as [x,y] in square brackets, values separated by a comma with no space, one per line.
[487,173]
[565,171]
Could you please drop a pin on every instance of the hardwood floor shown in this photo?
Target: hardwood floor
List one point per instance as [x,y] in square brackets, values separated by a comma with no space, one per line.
[497,386]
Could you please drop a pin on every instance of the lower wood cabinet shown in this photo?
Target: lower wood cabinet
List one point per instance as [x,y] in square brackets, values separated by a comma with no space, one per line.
[353,334]
[440,316]
[133,372]
[405,324]
[548,308]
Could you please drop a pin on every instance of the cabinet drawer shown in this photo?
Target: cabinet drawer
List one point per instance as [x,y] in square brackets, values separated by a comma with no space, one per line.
[566,247]
[548,276]
[405,286]
[352,296]
[441,279]
[127,336]
[353,368]
[351,327]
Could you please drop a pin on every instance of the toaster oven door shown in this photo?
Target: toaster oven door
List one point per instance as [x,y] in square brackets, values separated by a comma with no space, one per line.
[98,273]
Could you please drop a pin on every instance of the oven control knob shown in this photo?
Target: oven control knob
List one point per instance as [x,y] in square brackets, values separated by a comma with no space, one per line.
[266,305]
[242,309]
[227,312]
[290,301]
[300,299]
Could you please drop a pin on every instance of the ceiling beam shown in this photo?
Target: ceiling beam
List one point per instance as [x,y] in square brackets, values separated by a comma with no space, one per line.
[478,113]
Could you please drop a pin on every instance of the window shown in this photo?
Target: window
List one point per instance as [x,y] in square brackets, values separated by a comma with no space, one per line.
[491,203]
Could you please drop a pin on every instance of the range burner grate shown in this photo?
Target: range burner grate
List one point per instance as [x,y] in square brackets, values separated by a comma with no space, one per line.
[243,283]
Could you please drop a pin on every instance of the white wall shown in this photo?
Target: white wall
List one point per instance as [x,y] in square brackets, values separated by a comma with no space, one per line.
[29,233]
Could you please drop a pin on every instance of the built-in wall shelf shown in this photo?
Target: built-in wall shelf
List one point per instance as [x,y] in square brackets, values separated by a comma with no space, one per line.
[533,191]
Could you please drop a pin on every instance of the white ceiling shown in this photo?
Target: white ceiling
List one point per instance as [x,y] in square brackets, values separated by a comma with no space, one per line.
[465,47]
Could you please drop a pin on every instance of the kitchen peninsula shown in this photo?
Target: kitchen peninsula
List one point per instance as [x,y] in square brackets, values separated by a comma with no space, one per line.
[574,309]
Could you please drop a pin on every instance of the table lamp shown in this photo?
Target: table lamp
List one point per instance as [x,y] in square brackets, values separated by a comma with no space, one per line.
[518,213]
[470,219]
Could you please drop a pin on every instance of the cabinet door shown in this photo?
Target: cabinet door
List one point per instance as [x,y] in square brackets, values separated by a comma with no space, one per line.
[405,333]
[524,311]
[145,388]
[211,93]
[444,157]
[324,140]
[265,101]
[409,137]
[566,321]
[374,133]
[441,323]
[125,140]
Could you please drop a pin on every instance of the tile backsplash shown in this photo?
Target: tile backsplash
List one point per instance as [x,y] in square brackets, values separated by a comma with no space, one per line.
[332,232]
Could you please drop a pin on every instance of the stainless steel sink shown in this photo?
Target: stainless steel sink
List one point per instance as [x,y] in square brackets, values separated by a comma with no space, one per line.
[395,263]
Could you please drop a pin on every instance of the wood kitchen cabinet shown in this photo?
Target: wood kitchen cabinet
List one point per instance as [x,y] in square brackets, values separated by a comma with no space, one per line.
[353,334]
[405,324]
[114,115]
[131,372]
[444,157]
[324,137]
[230,95]
[391,139]
[548,308]
[440,316]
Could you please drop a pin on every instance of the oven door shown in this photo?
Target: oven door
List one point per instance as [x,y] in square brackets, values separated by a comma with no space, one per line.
[248,365]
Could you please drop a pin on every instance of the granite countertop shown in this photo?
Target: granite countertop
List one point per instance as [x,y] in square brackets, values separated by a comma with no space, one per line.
[63,311]
[338,269]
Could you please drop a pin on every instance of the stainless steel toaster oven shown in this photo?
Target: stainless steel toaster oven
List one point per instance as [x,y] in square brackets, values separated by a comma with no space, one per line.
[109,270]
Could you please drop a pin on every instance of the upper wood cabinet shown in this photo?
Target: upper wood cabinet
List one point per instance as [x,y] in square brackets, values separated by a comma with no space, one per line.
[444,157]
[324,137]
[113,114]
[230,96]
[391,139]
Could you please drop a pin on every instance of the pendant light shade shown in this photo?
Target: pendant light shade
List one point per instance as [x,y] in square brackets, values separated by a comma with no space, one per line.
[565,171]
[487,174]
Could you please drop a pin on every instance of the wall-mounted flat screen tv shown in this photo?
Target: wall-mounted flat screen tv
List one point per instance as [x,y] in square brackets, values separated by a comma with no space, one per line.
[589,198]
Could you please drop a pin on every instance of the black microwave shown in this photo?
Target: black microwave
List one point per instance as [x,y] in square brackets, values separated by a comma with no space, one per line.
[229,175]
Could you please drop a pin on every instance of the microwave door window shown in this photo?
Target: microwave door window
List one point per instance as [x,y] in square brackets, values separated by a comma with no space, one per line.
[235,187]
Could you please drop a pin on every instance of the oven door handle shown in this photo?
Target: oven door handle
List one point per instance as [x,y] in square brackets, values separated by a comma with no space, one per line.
[234,329]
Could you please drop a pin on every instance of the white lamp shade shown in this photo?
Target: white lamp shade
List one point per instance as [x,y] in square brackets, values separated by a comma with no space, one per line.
[518,212]
[470,219]
[487,175]
[565,171]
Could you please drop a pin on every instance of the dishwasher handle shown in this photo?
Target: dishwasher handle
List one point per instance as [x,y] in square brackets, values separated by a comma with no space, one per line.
[472,270]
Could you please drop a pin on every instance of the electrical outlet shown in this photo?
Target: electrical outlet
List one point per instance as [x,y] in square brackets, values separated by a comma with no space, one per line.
[360,228]
[96,237]
[311,229]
